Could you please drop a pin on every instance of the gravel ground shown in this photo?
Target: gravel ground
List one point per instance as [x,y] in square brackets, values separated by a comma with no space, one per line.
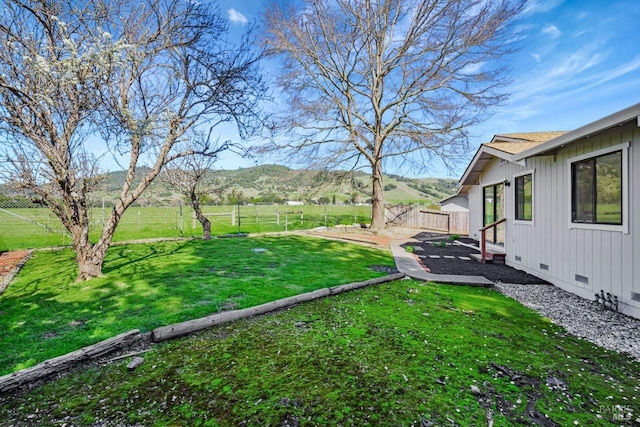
[580,317]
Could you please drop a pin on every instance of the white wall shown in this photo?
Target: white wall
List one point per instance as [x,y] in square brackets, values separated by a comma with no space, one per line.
[605,257]
[457,204]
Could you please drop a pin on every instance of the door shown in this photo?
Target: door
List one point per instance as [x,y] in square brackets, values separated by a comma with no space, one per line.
[493,210]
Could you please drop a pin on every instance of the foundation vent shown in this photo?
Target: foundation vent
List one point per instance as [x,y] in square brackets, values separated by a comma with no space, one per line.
[582,279]
[518,258]
[544,267]
[635,296]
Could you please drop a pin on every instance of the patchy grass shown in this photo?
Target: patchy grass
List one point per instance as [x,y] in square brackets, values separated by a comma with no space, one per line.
[44,313]
[402,353]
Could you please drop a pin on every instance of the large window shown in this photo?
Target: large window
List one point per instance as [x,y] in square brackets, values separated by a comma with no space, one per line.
[524,197]
[596,189]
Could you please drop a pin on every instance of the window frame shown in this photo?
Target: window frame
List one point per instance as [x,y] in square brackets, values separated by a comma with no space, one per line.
[515,197]
[494,184]
[624,227]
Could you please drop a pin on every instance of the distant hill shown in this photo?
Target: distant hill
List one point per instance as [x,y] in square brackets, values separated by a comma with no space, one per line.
[275,184]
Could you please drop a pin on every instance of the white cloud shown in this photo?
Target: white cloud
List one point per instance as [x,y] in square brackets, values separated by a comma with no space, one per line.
[623,69]
[536,6]
[236,17]
[536,56]
[579,33]
[578,62]
[552,31]
[582,15]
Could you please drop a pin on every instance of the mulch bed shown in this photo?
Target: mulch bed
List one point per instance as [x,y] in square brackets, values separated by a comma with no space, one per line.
[493,272]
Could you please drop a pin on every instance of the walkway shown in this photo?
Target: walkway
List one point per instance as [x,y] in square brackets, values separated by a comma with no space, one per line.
[407,263]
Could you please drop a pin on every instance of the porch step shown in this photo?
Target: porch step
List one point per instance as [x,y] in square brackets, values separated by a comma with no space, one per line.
[491,257]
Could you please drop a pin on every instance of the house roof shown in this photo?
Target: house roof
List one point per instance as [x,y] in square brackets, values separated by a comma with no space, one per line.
[514,143]
[613,120]
[516,147]
[503,146]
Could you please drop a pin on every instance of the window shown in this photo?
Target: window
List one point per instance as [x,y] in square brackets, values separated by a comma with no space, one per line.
[596,189]
[524,197]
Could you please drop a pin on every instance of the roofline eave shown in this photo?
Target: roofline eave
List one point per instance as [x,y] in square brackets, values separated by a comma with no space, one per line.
[622,116]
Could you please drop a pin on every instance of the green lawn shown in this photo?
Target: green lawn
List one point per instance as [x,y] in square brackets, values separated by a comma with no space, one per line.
[401,354]
[44,313]
[38,228]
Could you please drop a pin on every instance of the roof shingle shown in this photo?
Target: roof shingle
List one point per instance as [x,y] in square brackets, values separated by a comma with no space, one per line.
[514,143]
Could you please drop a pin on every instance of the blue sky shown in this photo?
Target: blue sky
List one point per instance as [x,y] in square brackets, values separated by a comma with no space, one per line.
[579,61]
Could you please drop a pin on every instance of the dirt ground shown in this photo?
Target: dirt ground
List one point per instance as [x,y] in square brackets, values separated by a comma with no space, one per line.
[8,261]
[365,236]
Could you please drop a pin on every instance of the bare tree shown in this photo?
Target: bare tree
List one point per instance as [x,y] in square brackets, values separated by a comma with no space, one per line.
[139,77]
[192,177]
[374,82]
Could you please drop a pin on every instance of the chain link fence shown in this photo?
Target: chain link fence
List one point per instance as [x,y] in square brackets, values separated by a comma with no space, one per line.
[24,225]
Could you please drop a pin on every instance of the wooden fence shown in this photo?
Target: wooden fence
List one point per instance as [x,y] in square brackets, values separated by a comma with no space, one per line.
[451,222]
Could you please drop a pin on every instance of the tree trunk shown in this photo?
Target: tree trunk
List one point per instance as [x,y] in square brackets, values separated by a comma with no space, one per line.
[206,229]
[206,224]
[90,260]
[377,209]
[90,257]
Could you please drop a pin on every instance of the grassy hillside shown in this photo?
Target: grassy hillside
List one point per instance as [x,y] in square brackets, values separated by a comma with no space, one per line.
[275,184]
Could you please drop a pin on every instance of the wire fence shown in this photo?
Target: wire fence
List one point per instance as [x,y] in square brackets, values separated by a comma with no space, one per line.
[25,226]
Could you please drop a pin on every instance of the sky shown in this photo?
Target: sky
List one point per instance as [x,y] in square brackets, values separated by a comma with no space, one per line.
[579,61]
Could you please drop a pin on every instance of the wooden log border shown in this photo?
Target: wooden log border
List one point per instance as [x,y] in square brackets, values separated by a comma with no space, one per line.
[179,329]
[57,364]
[60,363]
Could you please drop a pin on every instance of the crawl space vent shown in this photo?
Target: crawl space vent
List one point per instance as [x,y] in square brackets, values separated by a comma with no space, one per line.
[635,296]
[544,267]
[582,279]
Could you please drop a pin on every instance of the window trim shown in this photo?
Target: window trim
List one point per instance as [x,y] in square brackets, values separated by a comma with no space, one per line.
[624,227]
[531,221]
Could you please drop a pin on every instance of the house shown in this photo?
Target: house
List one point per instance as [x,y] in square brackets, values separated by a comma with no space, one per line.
[571,204]
[455,203]
[293,203]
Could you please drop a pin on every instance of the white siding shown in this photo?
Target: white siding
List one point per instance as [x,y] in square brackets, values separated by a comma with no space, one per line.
[606,258]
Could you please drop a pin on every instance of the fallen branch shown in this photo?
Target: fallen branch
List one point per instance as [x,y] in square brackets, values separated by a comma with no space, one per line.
[167,332]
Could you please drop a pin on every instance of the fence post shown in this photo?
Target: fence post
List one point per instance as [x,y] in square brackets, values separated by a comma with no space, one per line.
[239,218]
[325,216]
[233,217]
[193,220]
[301,217]
[286,220]
[277,217]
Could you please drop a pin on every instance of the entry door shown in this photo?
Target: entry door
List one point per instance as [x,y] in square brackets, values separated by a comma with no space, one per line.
[493,196]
